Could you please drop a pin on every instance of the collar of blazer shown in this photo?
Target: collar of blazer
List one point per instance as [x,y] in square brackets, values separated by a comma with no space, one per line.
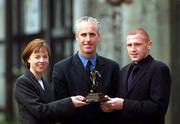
[143,69]
[36,84]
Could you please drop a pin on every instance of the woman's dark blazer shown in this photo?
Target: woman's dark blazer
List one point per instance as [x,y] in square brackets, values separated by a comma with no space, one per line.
[35,104]
[147,100]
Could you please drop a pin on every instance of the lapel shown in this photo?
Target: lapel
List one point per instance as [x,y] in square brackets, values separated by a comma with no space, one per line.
[42,93]
[124,77]
[47,91]
[79,69]
[100,67]
[144,66]
[137,79]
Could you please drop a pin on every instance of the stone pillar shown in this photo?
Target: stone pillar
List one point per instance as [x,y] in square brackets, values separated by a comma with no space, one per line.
[110,19]
[80,9]
[175,60]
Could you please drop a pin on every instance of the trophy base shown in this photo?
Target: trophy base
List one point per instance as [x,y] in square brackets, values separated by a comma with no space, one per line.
[95,97]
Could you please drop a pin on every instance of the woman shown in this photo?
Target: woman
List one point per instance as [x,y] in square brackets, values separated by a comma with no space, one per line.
[34,95]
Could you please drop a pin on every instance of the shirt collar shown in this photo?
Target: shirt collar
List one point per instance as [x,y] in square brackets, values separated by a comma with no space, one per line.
[85,60]
[143,61]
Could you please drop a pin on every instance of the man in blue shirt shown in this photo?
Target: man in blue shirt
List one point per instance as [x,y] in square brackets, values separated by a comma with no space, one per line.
[70,77]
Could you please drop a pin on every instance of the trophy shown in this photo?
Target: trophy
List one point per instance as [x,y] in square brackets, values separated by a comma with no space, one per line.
[95,95]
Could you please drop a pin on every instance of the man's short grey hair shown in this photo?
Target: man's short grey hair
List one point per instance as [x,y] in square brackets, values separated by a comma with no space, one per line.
[87,19]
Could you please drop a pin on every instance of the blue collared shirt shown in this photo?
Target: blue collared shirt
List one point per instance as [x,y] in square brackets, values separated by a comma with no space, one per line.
[85,60]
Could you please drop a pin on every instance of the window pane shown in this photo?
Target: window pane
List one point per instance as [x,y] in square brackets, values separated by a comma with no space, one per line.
[32,16]
[2,8]
[2,77]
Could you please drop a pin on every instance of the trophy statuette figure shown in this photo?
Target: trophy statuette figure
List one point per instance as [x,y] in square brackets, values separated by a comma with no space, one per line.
[95,95]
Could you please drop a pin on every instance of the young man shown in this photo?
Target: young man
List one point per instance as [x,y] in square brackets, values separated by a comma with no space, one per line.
[145,84]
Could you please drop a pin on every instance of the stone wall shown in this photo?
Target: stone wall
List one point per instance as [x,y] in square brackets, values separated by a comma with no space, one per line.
[151,15]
